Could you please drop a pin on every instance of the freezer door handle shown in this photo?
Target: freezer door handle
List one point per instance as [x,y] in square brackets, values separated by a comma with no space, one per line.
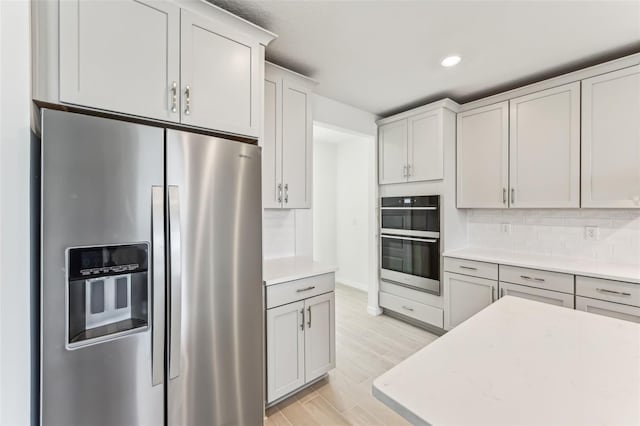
[158,284]
[175,253]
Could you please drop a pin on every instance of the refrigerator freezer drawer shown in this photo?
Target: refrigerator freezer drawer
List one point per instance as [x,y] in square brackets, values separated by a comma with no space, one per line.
[281,294]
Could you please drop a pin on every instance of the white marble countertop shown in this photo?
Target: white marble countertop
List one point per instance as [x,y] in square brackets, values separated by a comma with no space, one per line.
[283,269]
[588,267]
[520,362]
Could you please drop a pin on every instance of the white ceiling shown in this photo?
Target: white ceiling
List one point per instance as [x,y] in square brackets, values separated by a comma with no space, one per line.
[384,56]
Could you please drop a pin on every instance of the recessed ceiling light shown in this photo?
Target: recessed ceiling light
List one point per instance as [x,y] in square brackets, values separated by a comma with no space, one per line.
[450,61]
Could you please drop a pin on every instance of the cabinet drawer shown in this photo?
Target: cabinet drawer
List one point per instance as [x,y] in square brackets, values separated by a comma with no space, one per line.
[424,313]
[291,291]
[471,267]
[537,294]
[411,294]
[608,309]
[537,278]
[613,291]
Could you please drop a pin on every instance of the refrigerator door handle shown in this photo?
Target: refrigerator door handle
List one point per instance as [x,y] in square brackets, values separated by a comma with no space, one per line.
[175,251]
[158,285]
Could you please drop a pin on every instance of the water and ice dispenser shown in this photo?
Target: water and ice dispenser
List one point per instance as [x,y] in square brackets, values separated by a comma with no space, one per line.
[108,292]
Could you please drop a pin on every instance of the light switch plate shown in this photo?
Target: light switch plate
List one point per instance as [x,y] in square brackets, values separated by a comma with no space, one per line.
[591,233]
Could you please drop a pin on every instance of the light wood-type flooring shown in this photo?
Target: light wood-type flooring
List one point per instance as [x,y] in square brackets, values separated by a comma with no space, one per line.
[366,347]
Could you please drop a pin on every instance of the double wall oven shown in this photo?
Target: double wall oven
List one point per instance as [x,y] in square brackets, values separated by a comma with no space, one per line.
[410,241]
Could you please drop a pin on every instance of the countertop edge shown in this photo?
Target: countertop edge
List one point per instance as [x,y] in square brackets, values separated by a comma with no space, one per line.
[460,254]
[397,407]
[298,276]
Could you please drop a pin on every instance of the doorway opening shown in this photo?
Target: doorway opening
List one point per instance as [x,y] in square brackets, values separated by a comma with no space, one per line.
[344,204]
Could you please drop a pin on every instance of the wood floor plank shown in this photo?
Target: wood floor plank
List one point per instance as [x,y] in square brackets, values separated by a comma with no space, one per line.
[323,412]
[366,346]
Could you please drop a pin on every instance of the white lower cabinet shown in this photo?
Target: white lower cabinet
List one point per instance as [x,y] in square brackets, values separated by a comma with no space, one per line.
[300,335]
[608,309]
[319,341]
[537,294]
[464,296]
[285,349]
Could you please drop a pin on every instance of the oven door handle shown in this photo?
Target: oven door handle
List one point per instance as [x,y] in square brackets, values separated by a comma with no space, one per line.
[408,208]
[423,240]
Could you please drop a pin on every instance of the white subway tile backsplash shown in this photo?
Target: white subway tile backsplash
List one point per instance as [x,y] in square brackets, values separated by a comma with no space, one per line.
[560,232]
[278,233]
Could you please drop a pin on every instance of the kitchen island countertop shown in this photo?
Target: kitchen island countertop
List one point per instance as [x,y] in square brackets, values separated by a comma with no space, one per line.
[520,362]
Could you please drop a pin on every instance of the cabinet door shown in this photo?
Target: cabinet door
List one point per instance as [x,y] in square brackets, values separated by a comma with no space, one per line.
[483,157]
[272,144]
[285,349]
[608,309]
[425,147]
[320,335]
[464,296]
[537,294]
[121,56]
[611,139]
[296,146]
[392,147]
[544,148]
[220,77]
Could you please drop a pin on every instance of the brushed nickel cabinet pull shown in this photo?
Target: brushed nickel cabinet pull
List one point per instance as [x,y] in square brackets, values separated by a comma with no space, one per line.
[187,101]
[407,308]
[302,323]
[309,322]
[174,96]
[300,290]
[471,268]
[617,293]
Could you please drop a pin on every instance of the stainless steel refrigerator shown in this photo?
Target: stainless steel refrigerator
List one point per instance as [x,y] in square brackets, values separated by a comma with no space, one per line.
[151,288]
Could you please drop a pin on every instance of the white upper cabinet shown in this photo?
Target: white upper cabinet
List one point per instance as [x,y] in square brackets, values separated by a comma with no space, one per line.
[180,61]
[296,145]
[483,157]
[392,142]
[220,77]
[121,56]
[425,147]
[545,148]
[287,143]
[272,144]
[611,139]
[411,144]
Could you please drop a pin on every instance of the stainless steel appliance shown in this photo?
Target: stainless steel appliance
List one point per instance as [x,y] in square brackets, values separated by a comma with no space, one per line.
[410,241]
[151,288]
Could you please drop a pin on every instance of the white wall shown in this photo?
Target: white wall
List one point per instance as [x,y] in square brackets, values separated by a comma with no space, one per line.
[324,203]
[14,213]
[560,233]
[343,116]
[353,225]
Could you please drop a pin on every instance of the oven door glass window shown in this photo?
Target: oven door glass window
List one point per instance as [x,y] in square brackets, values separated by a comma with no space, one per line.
[411,220]
[412,256]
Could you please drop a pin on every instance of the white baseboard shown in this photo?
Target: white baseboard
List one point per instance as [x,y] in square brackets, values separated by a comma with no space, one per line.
[374,310]
[354,284]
